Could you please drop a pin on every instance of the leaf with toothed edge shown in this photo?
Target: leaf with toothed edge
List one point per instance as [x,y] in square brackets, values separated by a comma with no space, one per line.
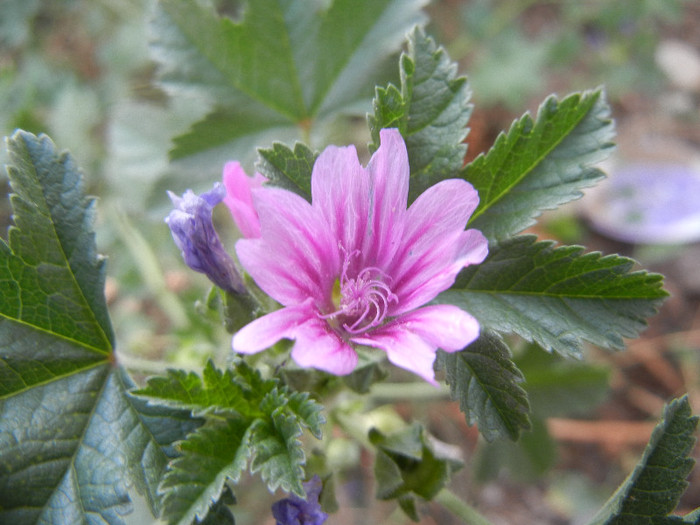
[557,297]
[279,68]
[72,441]
[431,110]
[651,492]
[486,382]
[540,164]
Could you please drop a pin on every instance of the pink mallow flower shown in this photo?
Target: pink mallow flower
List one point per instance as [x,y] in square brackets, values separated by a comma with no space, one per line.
[239,198]
[355,267]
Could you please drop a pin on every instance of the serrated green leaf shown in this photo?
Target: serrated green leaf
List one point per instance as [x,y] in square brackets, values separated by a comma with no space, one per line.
[288,169]
[271,417]
[653,489]
[485,381]
[431,111]
[215,391]
[71,440]
[541,164]
[281,65]
[213,454]
[51,279]
[279,456]
[308,411]
[558,297]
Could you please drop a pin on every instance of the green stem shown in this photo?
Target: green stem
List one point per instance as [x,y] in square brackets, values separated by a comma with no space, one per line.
[460,508]
[409,391]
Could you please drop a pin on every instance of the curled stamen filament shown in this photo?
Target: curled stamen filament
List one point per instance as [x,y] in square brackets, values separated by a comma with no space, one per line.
[363,301]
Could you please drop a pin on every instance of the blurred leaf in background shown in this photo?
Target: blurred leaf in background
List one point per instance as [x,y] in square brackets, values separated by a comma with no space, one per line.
[514,50]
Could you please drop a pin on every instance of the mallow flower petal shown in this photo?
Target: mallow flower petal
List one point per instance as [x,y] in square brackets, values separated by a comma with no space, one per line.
[364,207]
[440,211]
[239,198]
[403,348]
[268,329]
[389,173]
[278,279]
[296,242]
[339,190]
[317,346]
[436,270]
[442,325]
[356,267]
[435,247]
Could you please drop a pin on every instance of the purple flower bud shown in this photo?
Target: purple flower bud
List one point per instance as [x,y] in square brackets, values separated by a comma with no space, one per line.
[296,511]
[193,231]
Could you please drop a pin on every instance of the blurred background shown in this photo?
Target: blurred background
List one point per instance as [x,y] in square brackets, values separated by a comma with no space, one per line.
[80,71]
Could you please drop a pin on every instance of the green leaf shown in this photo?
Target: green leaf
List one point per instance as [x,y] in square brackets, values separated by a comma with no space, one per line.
[281,66]
[485,381]
[653,489]
[408,465]
[540,165]
[51,279]
[431,111]
[288,169]
[558,297]
[309,412]
[279,456]
[214,453]
[263,421]
[216,391]
[71,440]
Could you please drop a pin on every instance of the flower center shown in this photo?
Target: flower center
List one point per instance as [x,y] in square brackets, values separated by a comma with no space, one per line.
[360,303]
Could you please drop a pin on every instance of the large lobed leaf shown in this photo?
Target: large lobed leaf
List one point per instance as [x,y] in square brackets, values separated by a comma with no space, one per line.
[71,440]
[281,66]
[486,382]
[651,492]
[558,297]
[431,111]
[540,164]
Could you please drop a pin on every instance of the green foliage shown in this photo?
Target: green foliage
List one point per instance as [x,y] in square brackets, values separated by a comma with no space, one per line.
[485,381]
[250,420]
[288,169]
[558,297]
[431,111]
[51,278]
[540,164]
[71,440]
[280,68]
[194,481]
[408,466]
[653,489]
